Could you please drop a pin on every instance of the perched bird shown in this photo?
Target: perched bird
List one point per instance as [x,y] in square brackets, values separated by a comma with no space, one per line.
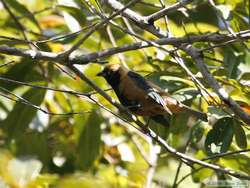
[142,97]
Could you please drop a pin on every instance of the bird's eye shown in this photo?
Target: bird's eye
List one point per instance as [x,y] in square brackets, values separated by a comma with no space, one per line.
[106,72]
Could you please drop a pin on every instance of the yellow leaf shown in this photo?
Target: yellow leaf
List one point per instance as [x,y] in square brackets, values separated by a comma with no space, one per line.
[56,47]
[51,21]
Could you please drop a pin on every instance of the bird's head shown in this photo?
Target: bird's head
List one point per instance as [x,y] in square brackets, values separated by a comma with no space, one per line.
[113,73]
[109,70]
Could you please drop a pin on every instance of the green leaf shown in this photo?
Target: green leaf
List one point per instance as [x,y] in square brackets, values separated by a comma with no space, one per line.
[21,115]
[219,138]
[77,13]
[14,73]
[170,83]
[89,141]
[39,147]
[232,59]
[197,132]
[201,175]
[177,79]
[237,162]
[240,135]
[22,10]
[179,123]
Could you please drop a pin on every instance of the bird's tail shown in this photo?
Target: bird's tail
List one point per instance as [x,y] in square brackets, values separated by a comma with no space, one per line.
[202,116]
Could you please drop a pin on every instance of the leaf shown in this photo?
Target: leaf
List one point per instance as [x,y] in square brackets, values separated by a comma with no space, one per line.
[169,83]
[224,10]
[177,79]
[240,135]
[39,147]
[71,22]
[197,132]
[237,162]
[80,180]
[30,170]
[178,123]
[14,73]
[77,13]
[51,21]
[201,175]
[246,108]
[20,117]
[89,141]
[219,138]
[22,10]
[231,61]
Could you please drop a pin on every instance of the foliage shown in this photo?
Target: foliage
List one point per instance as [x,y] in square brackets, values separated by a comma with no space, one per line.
[54,138]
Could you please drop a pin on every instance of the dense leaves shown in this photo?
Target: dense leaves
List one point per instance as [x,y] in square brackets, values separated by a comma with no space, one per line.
[56,131]
[218,139]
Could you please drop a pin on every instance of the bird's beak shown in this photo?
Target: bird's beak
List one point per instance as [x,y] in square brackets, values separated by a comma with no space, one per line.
[100,74]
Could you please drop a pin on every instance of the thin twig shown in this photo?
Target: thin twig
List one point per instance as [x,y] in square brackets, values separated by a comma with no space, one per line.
[151,134]
[167,10]
[113,42]
[209,158]
[6,64]
[69,35]
[226,154]
[96,27]
[180,163]
[197,56]
[71,92]
[28,103]
[13,16]
[92,57]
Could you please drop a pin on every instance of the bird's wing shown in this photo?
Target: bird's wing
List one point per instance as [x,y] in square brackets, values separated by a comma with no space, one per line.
[153,93]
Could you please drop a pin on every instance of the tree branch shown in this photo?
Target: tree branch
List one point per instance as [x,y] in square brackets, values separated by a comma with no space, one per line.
[97,26]
[19,99]
[165,11]
[152,134]
[199,63]
[13,16]
[91,57]
[224,96]
[176,41]
[140,21]
[33,54]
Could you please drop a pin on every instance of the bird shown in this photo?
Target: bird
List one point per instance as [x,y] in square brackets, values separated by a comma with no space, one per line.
[143,97]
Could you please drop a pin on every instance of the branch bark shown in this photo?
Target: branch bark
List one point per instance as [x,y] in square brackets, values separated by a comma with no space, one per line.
[165,11]
[150,133]
[193,52]
[86,58]
[224,96]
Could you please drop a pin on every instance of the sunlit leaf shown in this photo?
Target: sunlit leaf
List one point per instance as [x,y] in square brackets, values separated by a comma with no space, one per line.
[225,10]
[22,10]
[201,175]
[236,162]
[29,169]
[51,21]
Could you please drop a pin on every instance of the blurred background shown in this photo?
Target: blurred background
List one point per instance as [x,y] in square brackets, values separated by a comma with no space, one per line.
[56,131]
